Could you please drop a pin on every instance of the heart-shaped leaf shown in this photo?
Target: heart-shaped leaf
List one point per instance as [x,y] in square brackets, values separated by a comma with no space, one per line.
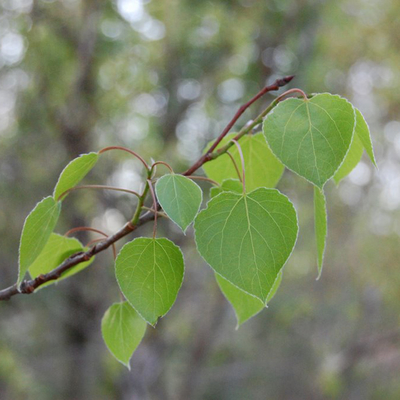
[180,198]
[262,167]
[311,137]
[74,172]
[123,330]
[150,273]
[38,226]
[247,238]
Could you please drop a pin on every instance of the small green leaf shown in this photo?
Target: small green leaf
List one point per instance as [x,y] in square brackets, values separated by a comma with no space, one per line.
[311,137]
[150,274]
[353,157]
[74,172]
[263,169]
[180,198]
[320,225]
[38,226]
[362,130]
[57,249]
[247,239]
[123,330]
[228,185]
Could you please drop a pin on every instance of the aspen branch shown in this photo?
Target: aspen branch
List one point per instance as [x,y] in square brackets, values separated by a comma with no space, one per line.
[28,286]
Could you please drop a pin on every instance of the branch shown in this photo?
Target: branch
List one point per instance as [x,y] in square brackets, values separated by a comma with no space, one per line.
[275,86]
[29,286]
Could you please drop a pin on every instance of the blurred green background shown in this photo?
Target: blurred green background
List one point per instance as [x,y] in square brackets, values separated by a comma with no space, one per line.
[163,78]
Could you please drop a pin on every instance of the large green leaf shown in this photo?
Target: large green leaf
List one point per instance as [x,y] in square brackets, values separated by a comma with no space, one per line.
[362,130]
[245,305]
[150,273]
[311,137]
[180,198]
[247,238]
[261,166]
[58,248]
[38,226]
[321,225]
[228,185]
[123,330]
[74,172]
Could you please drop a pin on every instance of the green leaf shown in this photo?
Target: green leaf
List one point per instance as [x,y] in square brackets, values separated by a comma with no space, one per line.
[361,140]
[228,185]
[353,157]
[320,226]
[363,133]
[57,249]
[123,330]
[247,238]
[262,167]
[38,226]
[150,274]
[180,198]
[74,172]
[311,137]
[245,305]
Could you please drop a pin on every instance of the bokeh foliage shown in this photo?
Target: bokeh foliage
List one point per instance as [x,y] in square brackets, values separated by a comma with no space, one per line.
[164,77]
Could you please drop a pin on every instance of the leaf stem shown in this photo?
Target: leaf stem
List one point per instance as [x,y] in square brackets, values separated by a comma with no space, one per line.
[242,160]
[128,151]
[153,195]
[290,91]
[235,165]
[117,189]
[162,163]
[203,178]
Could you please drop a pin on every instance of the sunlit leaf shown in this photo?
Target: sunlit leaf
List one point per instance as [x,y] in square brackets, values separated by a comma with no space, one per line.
[38,226]
[245,305]
[74,172]
[311,137]
[57,249]
[247,238]
[123,330]
[320,226]
[180,198]
[261,166]
[150,273]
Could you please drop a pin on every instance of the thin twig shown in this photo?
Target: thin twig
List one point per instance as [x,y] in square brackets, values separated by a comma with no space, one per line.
[89,229]
[114,249]
[275,86]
